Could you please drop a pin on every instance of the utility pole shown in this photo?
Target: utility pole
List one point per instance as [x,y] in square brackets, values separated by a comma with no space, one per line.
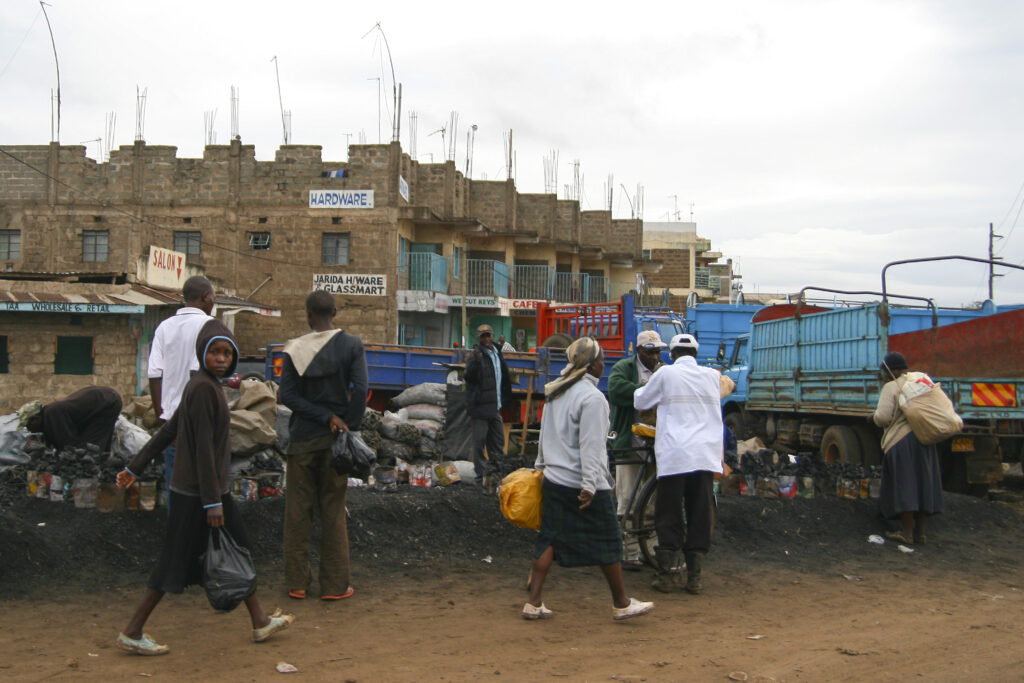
[464,274]
[992,237]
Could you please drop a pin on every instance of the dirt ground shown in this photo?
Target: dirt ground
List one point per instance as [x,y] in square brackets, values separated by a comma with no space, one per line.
[793,591]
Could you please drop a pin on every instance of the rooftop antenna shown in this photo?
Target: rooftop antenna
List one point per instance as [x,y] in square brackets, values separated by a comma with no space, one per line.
[675,205]
[362,136]
[442,131]
[691,212]
[453,128]
[140,113]
[509,155]
[236,94]
[108,137]
[470,140]
[394,88]
[377,78]
[348,142]
[54,134]
[414,121]
[609,190]
[286,117]
[551,172]
[99,147]
[210,135]
[632,210]
[639,196]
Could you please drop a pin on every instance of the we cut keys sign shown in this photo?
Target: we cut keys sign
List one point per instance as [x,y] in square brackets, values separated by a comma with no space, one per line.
[165,268]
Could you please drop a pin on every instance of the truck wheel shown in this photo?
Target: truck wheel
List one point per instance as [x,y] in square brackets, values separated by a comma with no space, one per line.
[840,444]
[735,422]
[253,375]
[870,445]
[557,341]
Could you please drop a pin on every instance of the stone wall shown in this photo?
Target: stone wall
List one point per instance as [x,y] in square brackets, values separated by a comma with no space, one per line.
[675,269]
[32,344]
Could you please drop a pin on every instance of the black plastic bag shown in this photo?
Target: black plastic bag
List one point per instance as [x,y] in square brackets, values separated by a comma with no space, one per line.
[228,574]
[350,456]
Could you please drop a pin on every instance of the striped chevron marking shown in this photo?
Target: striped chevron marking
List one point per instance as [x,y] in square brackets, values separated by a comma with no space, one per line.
[997,395]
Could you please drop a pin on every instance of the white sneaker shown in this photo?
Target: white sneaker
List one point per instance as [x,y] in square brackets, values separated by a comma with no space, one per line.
[635,608]
[530,612]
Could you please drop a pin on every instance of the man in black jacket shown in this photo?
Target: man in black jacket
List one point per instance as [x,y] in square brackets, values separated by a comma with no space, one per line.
[488,388]
[324,382]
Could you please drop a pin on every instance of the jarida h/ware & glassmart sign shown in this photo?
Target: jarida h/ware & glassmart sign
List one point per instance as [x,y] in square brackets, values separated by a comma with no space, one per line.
[350,283]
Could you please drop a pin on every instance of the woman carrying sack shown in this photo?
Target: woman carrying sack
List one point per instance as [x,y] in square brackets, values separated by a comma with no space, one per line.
[911,480]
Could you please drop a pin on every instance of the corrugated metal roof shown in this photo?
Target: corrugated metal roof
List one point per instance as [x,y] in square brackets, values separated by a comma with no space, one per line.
[75,293]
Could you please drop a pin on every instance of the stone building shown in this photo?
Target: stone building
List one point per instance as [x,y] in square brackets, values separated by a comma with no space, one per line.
[688,265]
[403,245]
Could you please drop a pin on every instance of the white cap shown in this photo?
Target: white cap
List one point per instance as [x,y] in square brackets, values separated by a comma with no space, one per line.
[683,341]
[649,339]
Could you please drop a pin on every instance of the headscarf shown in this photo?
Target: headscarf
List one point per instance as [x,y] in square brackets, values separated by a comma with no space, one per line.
[581,354]
[27,412]
[895,363]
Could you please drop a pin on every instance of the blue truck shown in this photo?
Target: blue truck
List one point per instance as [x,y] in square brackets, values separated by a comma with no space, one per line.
[810,381]
[717,327]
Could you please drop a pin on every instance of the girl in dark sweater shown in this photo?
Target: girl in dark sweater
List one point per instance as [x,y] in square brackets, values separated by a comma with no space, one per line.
[199,497]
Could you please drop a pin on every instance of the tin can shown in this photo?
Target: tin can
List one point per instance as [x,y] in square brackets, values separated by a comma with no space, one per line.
[132,497]
[84,493]
[56,489]
[147,496]
[43,485]
[109,498]
[31,483]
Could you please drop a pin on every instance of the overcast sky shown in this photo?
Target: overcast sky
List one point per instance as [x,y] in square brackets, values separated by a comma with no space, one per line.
[816,140]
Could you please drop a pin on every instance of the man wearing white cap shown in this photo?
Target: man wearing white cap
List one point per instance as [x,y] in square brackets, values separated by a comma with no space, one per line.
[688,449]
[627,376]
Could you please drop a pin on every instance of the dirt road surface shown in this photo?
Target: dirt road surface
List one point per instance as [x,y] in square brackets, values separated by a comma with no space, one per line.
[793,592]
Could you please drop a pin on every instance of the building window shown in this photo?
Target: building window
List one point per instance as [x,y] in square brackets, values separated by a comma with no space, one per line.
[4,363]
[334,249]
[74,356]
[188,241]
[95,245]
[646,254]
[259,241]
[10,245]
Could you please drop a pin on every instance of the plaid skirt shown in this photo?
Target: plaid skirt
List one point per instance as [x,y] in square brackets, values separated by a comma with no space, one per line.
[581,538]
[186,539]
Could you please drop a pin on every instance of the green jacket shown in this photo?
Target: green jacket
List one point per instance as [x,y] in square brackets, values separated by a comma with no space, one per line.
[622,382]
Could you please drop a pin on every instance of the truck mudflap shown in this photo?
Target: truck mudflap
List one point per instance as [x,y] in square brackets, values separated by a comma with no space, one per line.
[979,449]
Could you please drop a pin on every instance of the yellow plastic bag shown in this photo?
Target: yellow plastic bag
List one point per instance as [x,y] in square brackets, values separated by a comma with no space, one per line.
[520,497]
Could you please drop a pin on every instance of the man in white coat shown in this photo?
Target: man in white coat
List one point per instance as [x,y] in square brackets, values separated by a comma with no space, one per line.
[688,449]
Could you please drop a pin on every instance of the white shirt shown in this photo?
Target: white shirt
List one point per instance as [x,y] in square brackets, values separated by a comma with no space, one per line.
[689,434]
[173,355]
[573,435]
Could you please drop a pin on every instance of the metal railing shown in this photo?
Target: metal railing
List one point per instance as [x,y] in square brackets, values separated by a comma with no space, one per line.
[533,282]
[424,272]
[485,277]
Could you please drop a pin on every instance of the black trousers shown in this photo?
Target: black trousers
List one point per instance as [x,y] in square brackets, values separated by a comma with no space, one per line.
[489,432]
[694,492]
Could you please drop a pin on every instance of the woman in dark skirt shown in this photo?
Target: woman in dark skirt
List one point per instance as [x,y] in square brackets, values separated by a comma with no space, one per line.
[578,523]
[199,498]
[911,480]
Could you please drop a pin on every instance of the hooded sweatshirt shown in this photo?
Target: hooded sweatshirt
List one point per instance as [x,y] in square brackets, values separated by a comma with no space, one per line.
[201,425]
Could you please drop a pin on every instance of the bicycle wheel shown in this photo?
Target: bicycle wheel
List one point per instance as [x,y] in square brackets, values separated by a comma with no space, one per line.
[643,520]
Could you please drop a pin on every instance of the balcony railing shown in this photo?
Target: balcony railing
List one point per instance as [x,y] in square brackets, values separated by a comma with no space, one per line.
[486,277]
[424,272]
[702,278]
[533,282]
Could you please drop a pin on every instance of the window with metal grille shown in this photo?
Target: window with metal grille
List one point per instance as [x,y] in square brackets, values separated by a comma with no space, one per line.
[4,363]
[259,240]
[334,249]
[188,241]
[10,245]
[95,245]
[73,357]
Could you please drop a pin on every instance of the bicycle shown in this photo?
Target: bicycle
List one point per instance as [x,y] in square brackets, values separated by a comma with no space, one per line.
[640,509]
[640,506]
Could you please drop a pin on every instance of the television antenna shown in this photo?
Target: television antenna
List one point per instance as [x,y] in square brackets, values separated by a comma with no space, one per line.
[140,113]
[54,134]
[286,117]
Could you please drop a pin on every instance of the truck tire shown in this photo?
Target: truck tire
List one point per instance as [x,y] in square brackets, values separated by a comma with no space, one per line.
[557,341]
[737,424]
[840,444]
[870,445]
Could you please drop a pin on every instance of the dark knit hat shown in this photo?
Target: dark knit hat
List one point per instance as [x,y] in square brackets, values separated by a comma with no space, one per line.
[894,361]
